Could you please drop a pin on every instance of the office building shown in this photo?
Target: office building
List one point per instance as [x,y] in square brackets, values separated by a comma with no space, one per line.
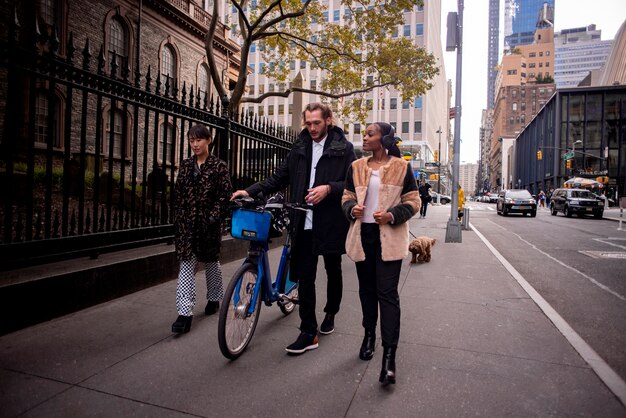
[493,50]
[577,52]
[522,17]
[467,178]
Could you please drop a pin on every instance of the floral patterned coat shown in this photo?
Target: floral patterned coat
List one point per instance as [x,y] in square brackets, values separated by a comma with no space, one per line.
[200,205]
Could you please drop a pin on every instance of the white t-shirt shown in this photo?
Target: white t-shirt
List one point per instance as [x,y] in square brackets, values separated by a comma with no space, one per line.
[371,198]
[318,150]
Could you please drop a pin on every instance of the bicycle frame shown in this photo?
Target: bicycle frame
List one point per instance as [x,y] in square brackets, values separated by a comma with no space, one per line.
[257,255]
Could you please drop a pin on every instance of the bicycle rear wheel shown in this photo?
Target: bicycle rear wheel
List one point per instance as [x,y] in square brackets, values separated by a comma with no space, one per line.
[235,326]
[289,289]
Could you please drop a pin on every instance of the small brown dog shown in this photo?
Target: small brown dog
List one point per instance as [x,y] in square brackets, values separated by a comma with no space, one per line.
[420,248]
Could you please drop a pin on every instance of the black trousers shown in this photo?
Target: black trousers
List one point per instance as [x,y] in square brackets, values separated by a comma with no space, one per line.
[304,270]
[378,287]
[424,206]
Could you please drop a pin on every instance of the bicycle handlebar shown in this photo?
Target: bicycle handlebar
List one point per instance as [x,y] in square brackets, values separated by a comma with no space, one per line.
[252,203]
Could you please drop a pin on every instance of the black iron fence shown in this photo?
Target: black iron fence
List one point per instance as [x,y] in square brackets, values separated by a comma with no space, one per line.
[89,156]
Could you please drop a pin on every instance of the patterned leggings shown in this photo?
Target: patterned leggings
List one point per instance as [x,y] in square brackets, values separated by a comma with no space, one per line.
[186,289]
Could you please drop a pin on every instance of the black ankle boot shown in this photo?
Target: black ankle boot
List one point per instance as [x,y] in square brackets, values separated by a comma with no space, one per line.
[211,307]
[388,371]
[367,346]
[182,324]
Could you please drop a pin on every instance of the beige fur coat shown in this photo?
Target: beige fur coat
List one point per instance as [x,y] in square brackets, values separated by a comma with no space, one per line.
[397,194]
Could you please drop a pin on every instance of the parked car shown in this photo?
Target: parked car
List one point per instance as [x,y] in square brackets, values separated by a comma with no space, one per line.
[493,198]
[516,201]
[444,199]
[576,201]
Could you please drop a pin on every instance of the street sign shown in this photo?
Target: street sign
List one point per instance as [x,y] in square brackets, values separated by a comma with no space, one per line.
[568,155]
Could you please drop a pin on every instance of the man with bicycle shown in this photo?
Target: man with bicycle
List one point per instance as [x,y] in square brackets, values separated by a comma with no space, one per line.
[315,172]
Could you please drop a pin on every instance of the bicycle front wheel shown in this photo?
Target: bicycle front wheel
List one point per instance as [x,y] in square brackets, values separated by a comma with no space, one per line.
[236,326]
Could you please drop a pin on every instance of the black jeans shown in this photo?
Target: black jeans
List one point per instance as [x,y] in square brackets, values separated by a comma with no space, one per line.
[378,286]
[424,205]
[304,269]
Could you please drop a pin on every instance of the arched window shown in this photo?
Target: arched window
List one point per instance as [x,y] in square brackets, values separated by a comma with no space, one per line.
[118,42]
[168,65]
[203,81]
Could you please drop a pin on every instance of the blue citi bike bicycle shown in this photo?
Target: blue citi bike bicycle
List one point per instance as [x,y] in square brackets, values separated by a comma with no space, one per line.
[252,282]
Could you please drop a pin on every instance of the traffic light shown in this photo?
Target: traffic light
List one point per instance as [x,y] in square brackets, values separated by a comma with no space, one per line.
[568,164]
[436,155]
[539,155]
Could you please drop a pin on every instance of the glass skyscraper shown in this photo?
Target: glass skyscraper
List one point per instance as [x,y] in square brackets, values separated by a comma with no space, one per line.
[522,17]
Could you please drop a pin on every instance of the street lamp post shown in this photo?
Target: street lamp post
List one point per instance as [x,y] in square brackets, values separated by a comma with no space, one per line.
[439,163]
[454,40]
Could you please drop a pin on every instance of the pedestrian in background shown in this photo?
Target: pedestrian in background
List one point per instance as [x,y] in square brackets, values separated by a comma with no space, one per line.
[201,203]
[461,198]
[380,197]
[542,199]
[424,191]
[315,172]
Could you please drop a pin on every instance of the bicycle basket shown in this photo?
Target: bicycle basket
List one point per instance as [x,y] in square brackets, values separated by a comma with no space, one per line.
[250,225]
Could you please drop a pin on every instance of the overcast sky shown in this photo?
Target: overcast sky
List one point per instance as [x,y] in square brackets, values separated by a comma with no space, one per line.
[607,15]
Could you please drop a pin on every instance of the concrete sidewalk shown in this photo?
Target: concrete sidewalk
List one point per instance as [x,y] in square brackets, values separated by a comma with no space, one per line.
[473,343]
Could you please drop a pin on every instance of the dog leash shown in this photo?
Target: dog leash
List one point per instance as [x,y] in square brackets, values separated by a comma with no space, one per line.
[413,235]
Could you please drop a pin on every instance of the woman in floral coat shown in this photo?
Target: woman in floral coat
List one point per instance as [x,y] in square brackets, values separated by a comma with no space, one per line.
[202,195]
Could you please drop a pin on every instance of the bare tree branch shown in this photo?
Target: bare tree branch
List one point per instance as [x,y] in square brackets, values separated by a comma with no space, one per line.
[290,90]
[278,19]
[208,45]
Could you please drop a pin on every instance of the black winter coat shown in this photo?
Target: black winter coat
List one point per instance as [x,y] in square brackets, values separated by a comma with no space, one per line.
[330,227]
[200,205]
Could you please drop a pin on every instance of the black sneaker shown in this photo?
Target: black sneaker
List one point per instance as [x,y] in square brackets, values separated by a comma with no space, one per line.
[328,325]
[211,307]
[303,343]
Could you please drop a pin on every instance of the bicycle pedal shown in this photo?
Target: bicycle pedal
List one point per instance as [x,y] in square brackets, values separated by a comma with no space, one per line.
[285,298]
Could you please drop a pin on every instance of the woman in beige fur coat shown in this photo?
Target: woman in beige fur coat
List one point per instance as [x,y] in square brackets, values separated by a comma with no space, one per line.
[380,197]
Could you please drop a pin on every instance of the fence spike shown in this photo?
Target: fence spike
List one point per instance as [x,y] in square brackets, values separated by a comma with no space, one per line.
[183,98]
[211,105]
[167,87]
[191,96]
[126,71]
[101,60]
[113,65]
[54,41]
[148,80]
[71,48]
[87,55]
[157,89]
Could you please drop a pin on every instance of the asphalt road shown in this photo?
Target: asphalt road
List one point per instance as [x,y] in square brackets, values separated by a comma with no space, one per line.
[577,264]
